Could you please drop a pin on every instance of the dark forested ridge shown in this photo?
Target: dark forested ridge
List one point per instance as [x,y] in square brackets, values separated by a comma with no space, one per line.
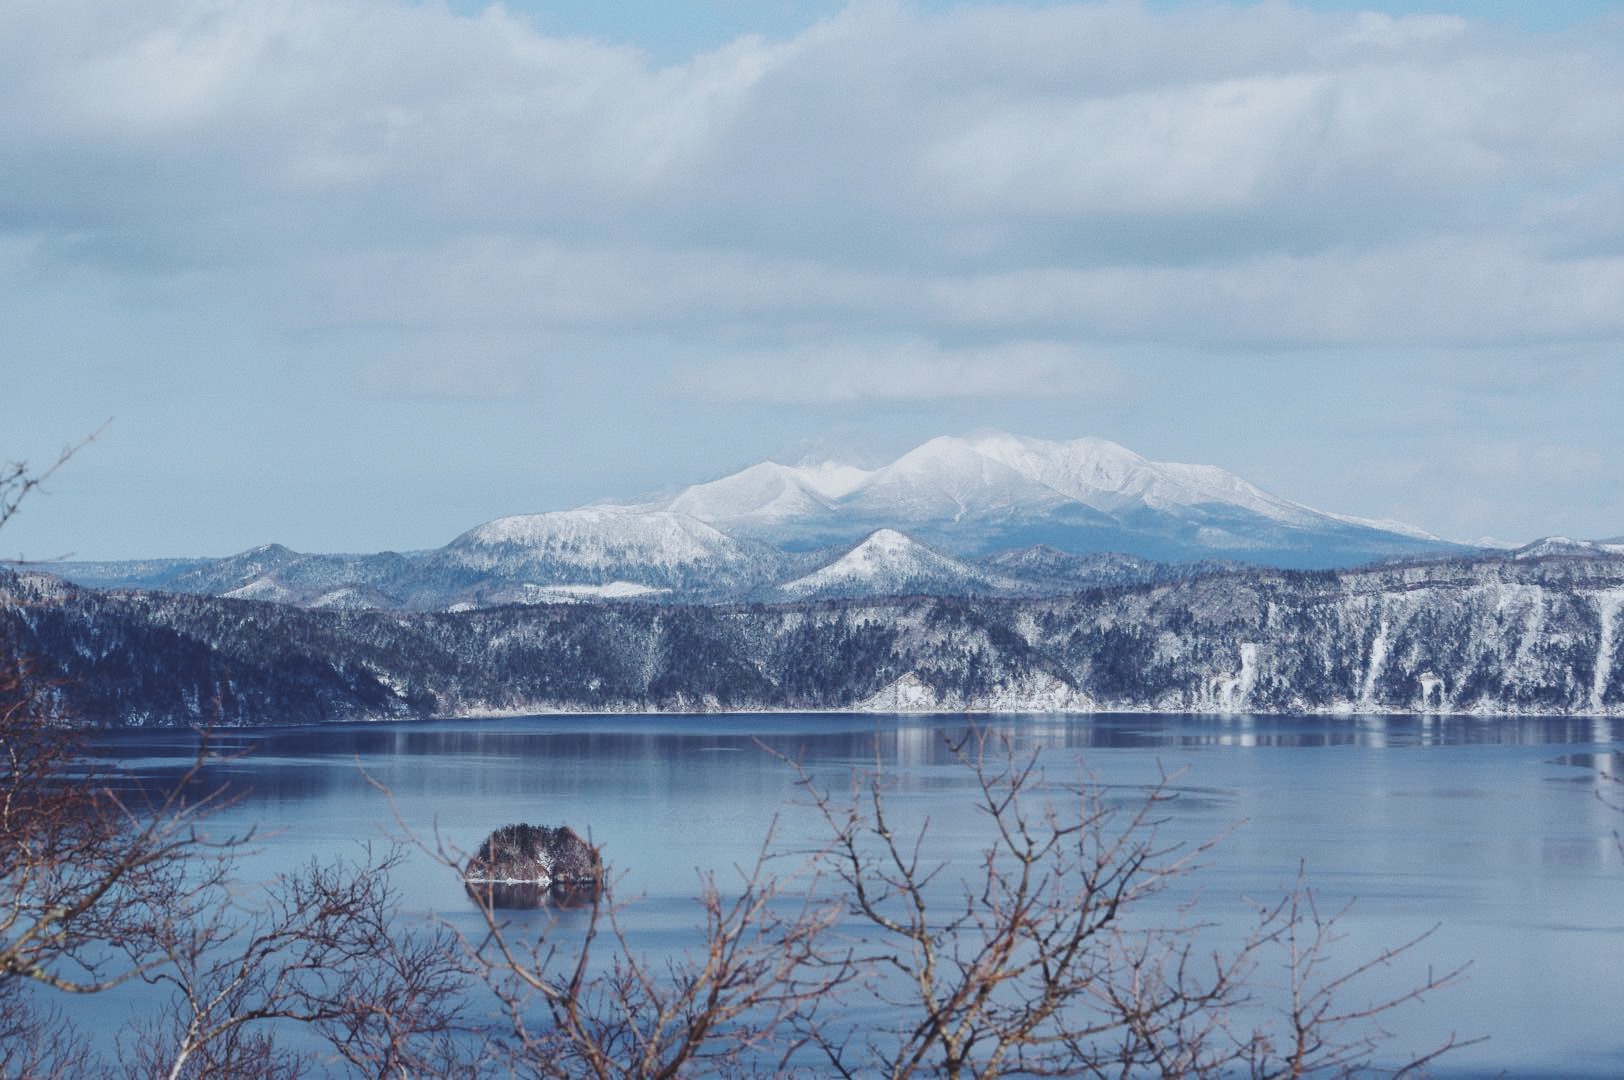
[1458,635]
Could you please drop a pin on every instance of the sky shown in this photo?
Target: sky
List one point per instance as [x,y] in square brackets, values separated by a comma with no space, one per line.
[357,275]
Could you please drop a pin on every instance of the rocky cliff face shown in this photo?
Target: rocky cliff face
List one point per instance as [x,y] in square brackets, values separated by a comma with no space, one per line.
[1486,635]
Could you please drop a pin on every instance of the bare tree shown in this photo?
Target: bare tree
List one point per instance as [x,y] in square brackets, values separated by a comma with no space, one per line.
[18,480]
[102,885]
[36,1041]
[325,949]
[105,883]
[89,866]
[1058,953]
[1049,959]
[1329,1026]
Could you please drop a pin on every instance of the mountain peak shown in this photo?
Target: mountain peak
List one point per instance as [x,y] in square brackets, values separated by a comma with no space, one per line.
[994,489]
[886,544]
[889,561]
[590,545]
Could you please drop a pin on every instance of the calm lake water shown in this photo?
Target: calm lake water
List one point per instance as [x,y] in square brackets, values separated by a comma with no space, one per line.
[1492,829]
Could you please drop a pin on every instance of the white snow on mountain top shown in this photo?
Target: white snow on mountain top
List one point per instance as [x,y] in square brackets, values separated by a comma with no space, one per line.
[768,490]
[995,475]
[887,560]
[600,537]
[948,479]
[1495,543]
[964,495]
[1105,476]
[1401,528]
[1567,545]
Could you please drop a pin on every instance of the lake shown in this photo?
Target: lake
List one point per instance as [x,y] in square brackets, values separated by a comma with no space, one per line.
[1489,828]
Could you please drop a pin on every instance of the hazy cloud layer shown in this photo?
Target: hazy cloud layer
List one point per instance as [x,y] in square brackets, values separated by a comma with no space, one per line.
[889,206]
[911,370]
[1254,175]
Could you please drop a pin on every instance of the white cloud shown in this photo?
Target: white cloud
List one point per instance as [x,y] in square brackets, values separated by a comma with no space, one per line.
[451,367]
[1088,173]
[907,371]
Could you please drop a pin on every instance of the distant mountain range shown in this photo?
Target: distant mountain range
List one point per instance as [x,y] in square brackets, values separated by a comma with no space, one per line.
[996,514]
[1484,634]
[994,573]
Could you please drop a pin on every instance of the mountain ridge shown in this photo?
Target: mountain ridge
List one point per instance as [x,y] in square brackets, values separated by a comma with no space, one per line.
[763,531]
[1489,634]
[993,491]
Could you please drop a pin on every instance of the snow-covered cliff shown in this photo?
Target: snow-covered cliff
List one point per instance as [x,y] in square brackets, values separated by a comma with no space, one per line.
[1502,634]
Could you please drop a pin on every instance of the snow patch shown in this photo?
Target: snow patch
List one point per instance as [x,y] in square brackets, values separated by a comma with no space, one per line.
[907,694]
[1373,669]
[263,588]
[614,590]
[1608,605]
[1432,691]
[588,534]
[1036,693]
[887,561]
[1232,693]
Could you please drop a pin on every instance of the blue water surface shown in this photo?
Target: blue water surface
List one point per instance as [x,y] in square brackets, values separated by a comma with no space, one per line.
[1500,833]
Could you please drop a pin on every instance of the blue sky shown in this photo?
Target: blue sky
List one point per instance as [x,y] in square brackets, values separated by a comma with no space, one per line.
[672,32]
[360,274]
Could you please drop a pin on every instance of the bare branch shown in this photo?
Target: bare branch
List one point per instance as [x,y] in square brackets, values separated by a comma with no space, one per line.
[18,481]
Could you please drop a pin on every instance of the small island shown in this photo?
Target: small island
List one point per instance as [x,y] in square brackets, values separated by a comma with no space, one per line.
[526,866]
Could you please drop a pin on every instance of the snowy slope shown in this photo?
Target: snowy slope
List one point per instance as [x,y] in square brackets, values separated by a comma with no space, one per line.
[995,491]
[888,563]
[769,491]
[1567,546]
[593,541]
[600,546]
[1485,635]
[1111,478]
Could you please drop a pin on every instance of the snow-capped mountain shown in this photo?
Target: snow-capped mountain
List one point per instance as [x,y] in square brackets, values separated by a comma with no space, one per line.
[564,556]
[1558,546]
[605,552]
[996,491]
[952,516]
[888,563]
[593,545]
[770,492]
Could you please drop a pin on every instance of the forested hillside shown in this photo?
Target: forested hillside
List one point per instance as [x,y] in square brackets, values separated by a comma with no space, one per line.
[1461,635]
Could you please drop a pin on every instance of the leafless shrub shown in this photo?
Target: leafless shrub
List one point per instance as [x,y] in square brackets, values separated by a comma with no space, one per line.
[18,480]
[89,869]
[1051,956]
[103,883]
[727,1009]
[324,949]
[1047,958]
[1329,1027]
